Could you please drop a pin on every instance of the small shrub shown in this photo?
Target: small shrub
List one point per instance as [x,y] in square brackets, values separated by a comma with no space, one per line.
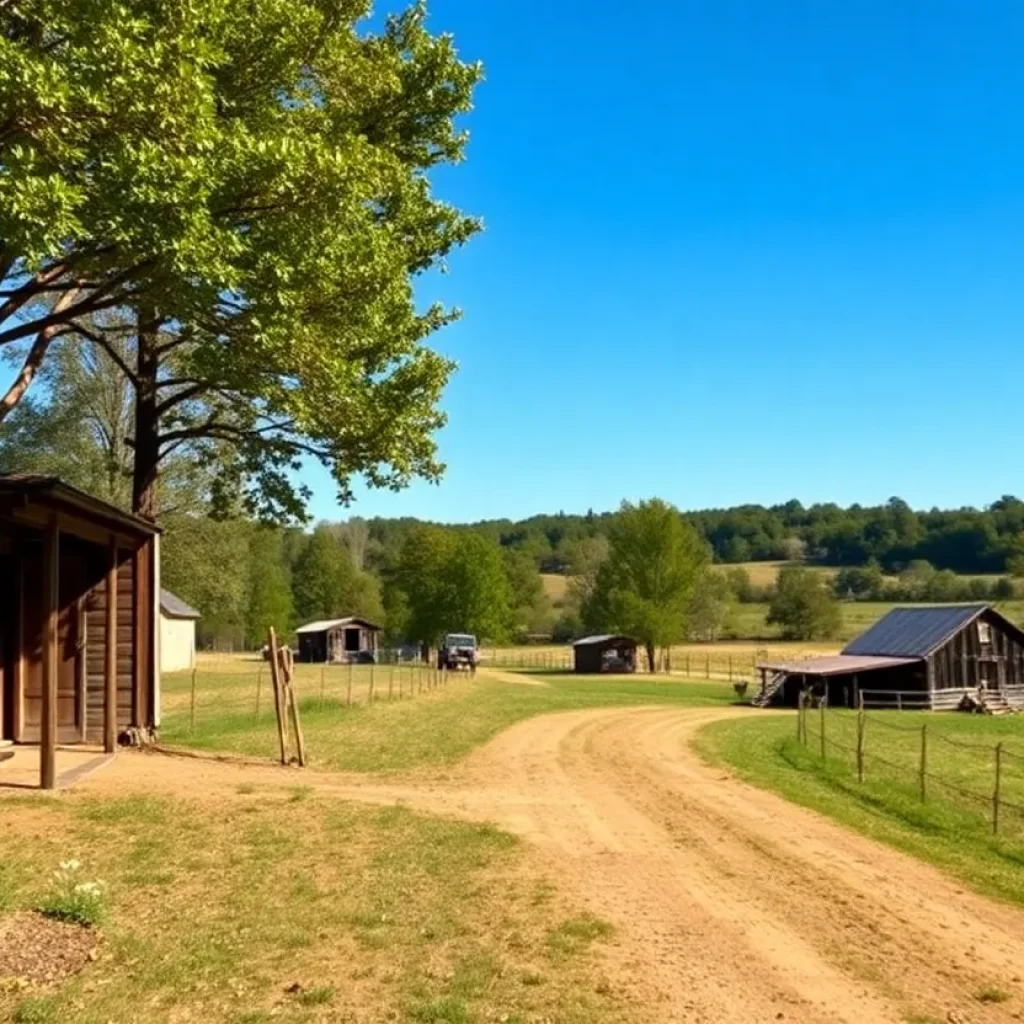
[740,688]
[991,994]
[577,933]
[72,899]
[318,996]
[35,1010]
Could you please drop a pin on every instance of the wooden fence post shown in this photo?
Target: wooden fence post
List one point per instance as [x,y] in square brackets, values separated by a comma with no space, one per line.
[391,684]
[996,791]
[192,708]
[730,668]
[259,686]
[707,666]
[800,717]
[823,707]
[279,697]
[860,743]
[348,698]
[323,682]
[370,700]
[923,772]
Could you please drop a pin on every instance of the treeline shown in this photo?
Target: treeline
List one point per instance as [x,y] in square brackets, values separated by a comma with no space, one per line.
[894,535]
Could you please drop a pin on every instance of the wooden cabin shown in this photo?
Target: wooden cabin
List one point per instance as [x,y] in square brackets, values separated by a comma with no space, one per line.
[350,639]
[935,657]
[604,654]
[78,619]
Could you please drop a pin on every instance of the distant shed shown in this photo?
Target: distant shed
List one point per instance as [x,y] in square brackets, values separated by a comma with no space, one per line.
[339,640]
[177,633]
[607,653]
[927,657]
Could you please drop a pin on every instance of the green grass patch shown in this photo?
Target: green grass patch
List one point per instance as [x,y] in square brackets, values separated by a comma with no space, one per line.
[298,912]
[438,727]
[952,828]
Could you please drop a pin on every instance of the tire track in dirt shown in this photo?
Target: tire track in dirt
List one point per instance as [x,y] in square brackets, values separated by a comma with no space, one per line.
[730,904]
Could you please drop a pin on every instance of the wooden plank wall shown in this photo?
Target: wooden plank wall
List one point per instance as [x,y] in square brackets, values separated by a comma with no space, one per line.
[956,663]
[96,641]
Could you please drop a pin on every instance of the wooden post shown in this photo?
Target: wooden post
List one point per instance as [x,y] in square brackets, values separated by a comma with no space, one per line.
[370,701]
[279,708]
[110,692]
[391,683]
[860,742]
[822,705]
[323,680]
[899,700]
[730,668]
[348,698]
[923,770]
[287,674]
[799,718]
[997,789]
[707,666]
[259,686]
[51,609]
[401,686]
[192,705]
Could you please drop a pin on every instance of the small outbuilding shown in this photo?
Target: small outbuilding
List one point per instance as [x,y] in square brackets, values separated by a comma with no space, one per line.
[934,657]
[177,633]
[350,639]
[78,619]
[607,653]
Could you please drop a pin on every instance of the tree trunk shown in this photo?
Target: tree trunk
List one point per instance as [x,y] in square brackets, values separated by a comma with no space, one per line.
[147,422]
[650,657]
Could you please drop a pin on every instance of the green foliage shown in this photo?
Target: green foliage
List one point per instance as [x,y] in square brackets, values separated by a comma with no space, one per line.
[531,607]
[327,585]
[72,898]
[270,594]
[804,606]
[645,586]
[247,186]
[712,606]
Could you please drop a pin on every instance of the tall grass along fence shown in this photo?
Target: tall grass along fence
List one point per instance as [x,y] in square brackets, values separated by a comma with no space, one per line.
[932,759]
[243,690]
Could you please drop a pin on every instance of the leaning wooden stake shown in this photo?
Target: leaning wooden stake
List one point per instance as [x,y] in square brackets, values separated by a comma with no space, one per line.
[192,709]
[287,675]
[860,742]
[997,791]
[279,708]
[923,770]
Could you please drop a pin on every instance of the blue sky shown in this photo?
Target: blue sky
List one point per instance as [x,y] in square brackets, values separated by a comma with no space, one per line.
[735,252]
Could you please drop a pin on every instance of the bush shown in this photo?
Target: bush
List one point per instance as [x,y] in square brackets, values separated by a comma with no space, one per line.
[804,606]
[72,899]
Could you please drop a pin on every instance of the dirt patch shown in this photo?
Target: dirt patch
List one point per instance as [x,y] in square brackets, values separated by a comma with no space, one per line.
[515,678]
[37,951]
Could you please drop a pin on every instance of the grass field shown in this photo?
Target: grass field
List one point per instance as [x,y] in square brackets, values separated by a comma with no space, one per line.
[951,829]
[433,727]
[300,909]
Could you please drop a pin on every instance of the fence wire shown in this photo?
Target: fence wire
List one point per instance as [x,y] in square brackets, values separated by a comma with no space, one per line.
[983,781]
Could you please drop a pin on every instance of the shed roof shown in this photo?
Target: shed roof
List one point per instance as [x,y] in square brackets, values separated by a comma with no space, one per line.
[835,665]
[326,624]
[914,632]
[604,638]
[174,608]
[28,489]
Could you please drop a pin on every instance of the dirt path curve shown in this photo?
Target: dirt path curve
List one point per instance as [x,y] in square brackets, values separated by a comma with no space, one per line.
[730,904]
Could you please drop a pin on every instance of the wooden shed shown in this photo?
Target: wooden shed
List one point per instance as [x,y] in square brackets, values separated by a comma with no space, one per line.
[607,653]
[78,619]
[931,657]
[177,633]
[339,640]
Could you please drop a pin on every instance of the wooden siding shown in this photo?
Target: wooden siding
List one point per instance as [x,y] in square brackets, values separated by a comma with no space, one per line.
[964,663]
[96,647]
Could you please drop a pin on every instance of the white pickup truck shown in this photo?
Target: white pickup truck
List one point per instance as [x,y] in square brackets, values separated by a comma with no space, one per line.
[458,651]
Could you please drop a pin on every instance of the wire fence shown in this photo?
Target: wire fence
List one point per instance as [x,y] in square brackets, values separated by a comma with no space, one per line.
[243,690]
[922,761]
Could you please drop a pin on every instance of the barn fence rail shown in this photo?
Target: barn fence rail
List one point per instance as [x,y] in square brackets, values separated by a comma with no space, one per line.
[919,764]
[240,694]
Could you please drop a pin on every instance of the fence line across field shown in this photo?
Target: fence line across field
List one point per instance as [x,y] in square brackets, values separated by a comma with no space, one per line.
[992,783]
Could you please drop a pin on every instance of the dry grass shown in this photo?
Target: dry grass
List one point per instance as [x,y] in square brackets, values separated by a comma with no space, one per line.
[555,586]
[263,907]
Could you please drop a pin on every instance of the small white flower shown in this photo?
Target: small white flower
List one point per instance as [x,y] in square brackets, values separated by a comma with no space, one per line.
[70,865]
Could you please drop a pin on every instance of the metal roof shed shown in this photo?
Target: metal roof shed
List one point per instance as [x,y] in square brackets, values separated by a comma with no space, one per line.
[604,654]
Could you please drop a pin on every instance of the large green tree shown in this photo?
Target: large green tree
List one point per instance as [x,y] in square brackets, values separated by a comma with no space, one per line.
[270,596]
[646,584]
[325,583]
[246,187]
[804,605]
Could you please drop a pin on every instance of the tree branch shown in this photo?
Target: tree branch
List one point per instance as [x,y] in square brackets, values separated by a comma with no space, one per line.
[115,356]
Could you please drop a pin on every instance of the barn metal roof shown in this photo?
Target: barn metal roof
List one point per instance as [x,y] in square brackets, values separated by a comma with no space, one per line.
[914,632]
[603,638]
[174,608]
[326,624]
[835,665]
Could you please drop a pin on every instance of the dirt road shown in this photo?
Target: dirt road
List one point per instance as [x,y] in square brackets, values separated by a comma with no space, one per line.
[730,904]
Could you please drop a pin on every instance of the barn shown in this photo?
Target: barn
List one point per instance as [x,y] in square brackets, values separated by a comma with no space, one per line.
[607,653]
[932,657]
[339,640]
[177,633]
[78,619]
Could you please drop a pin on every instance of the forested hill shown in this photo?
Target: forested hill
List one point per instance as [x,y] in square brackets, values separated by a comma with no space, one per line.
[965,540]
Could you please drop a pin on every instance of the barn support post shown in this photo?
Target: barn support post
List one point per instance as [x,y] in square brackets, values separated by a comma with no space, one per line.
[110,678]
[51,609]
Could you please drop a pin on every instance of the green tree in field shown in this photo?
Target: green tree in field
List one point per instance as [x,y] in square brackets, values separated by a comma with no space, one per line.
[1015,556]
[804,606]
[451,582]
[531,607]
[646,585]
[245,188]
[326,585]
[712,606]
[206,563]
[270,594]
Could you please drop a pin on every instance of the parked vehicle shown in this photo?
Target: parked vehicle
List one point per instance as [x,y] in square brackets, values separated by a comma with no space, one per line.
[458,651]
